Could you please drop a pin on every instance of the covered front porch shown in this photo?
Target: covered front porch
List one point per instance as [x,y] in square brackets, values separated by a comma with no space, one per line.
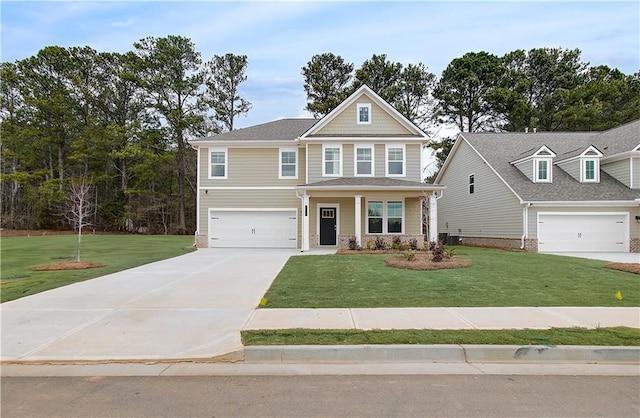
[337,212]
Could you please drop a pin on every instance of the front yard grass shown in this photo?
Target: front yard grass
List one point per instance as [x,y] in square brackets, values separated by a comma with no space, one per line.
[496,278]
[618,336]
[20,255]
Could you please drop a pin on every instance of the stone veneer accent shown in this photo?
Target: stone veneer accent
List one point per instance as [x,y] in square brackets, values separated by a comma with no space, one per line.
[201,241]
[512,243]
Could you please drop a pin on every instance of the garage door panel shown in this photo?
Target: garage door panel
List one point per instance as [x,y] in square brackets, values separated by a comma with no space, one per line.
[589,232]
[257,229]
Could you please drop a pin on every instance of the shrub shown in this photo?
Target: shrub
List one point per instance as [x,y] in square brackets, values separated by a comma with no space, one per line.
[410,255]
[353,243]
[369,244]
[379,244]
[449,252]
[396,244]
[437,252]
[413,244]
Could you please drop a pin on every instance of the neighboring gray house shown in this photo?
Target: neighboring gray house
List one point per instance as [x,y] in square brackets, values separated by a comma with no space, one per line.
[545,191]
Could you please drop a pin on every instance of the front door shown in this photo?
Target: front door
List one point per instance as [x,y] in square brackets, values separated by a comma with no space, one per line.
[327,226]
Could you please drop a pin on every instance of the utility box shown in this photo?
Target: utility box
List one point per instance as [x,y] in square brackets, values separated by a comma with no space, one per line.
[453,240]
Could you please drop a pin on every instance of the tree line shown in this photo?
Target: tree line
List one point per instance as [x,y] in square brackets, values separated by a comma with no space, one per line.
[120,122]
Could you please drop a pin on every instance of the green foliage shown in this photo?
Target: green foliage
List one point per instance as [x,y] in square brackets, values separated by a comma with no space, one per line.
[410,255]
[226,73]
[326,82]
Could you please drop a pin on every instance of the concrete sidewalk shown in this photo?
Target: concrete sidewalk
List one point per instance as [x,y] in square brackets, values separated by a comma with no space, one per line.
[445,318]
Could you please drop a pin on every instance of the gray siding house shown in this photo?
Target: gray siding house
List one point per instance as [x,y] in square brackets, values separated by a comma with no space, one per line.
[303,183]
[545,191]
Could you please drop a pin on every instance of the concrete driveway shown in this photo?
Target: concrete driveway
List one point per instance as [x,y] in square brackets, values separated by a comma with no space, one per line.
[614,257]
[192,306]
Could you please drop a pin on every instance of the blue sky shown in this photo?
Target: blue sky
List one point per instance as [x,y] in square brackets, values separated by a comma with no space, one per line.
[279,38]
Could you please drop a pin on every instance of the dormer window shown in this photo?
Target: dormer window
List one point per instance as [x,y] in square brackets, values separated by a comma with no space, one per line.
[363,115]
[542,168]
[590,165]
[589,172]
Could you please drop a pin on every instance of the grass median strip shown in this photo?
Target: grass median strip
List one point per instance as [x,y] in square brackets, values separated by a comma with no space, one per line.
[617,336]
[496,278]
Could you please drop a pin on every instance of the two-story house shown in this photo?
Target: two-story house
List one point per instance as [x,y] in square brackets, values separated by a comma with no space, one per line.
[302,183]
[544,191]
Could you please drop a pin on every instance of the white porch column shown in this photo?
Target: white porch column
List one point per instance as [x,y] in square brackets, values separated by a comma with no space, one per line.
[305,223]
[358,218]
[433,218]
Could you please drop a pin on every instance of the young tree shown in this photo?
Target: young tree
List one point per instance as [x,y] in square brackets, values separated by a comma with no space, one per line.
[172,77]
[326,82]
[226,73]
[80,207]
[464,92]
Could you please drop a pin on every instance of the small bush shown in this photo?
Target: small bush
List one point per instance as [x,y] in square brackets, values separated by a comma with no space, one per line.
[413,244]
[353,243]
[437,252]
[449,252]
[379,244]
[369,244]
[410,255]
[396,244]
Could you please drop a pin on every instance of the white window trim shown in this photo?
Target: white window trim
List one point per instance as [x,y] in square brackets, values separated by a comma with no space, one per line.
[226,163]
[404,160]
[355,159]
[324,166]
[536,172]
[385,217]
[596,169]
[280,151]
[469,184]
[358,107]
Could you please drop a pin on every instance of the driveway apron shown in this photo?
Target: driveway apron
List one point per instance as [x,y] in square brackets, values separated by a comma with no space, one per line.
[187,307]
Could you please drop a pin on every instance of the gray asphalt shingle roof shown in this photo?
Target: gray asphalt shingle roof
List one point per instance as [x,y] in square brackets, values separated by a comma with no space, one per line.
[500,149]
[279,130]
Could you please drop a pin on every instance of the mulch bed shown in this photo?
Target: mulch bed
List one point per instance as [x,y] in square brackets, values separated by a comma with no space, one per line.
[69,265]
[630,267]
[423,262]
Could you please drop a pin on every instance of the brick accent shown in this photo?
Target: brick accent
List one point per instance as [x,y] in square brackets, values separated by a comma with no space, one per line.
[634,245]
[201,241]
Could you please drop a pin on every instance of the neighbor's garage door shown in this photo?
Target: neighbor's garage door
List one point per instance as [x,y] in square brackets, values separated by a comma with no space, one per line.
[253,228]
[587,232]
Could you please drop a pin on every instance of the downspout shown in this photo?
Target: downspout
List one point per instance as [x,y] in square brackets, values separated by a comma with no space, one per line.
[525,224]
[304,225]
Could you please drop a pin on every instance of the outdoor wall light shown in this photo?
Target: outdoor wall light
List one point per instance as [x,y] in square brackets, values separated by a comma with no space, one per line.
[638,218]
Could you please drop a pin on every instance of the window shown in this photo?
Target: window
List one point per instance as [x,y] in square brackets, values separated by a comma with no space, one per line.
[381,221]
[364,161]
[542,169]
[394,217]
[218,161]
[590,171]
[332,159]
[374,213]
[363,113]
[288,166]
[472,183]
[395,161]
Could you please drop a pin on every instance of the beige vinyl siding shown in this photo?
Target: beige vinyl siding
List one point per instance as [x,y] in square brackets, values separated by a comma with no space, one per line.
[412,218]
[620,170]
[635,183]
[381,122]
[347,160]
[526,167]
[381,158]
[315,163]
[254,199]
[634,227]
[572,168]
[413,170]
[492,211]
[346,213]
[251,167]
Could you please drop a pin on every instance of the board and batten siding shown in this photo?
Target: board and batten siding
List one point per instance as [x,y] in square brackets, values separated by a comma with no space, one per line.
[345,123]
[255,199]
[491,211]
[412,160]
[251,167]
[620,170]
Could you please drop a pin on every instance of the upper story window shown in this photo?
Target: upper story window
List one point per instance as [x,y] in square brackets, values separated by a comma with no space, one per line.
[590,170]
[472,183]
[395,161]
[332,160]
[218,163]
[288,163]
[542,169]
[364,161]
[363,115]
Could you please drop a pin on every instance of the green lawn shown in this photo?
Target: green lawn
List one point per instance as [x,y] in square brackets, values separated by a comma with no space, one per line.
[117,252]
[618,336]
[496,278]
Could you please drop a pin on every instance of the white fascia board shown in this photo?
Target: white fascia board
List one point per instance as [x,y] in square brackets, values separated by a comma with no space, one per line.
[247,144]
[618,157]
[367,139]
[590,203]
[379,188]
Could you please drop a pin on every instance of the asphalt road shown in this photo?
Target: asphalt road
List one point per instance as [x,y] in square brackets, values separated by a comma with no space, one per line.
[312,396]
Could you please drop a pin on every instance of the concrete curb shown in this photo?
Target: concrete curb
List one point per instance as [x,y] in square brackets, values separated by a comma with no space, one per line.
[441,354]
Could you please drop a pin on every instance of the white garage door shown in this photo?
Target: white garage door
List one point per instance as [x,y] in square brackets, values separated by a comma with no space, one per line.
[253,228]
[587,232]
